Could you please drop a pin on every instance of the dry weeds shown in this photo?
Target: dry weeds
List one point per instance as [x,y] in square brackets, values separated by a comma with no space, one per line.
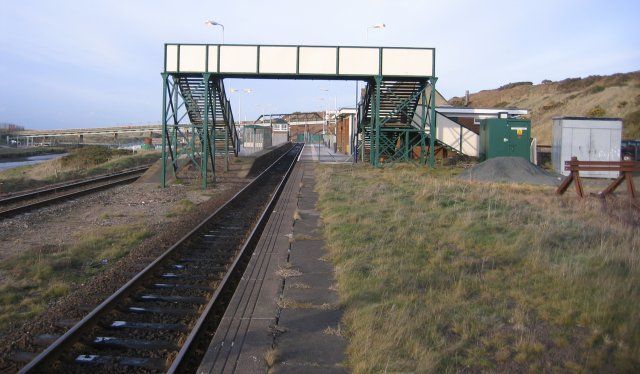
[439,275]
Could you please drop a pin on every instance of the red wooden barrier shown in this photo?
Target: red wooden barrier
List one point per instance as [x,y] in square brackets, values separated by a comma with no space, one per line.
[626,169]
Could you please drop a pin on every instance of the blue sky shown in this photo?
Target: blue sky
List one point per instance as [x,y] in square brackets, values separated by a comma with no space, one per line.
[93,63]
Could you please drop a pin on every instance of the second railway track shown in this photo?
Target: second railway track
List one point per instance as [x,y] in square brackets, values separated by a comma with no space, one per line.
[159,320]
[21,203]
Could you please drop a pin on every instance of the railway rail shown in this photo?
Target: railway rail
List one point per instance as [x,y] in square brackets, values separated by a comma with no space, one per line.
[24,202]
[161,319]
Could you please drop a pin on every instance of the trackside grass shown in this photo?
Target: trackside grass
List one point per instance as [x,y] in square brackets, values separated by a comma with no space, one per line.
[29,281]
[440,275]
[80,163]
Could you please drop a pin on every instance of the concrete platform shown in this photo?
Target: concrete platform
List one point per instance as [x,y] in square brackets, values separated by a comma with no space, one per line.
[320,153]
[284,316]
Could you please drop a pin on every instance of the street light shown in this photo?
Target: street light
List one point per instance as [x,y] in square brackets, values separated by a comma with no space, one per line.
[214,23]
[378,26]
[245,90]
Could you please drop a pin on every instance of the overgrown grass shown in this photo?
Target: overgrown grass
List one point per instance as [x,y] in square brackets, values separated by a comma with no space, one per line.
[183,206]
[440,275]
[33,279]
[81,163]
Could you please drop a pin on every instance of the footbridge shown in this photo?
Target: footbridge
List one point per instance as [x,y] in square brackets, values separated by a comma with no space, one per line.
[395,117]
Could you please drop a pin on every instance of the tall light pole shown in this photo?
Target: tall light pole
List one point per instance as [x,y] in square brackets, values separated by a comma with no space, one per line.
[214,23]
[377,26]
[245,90]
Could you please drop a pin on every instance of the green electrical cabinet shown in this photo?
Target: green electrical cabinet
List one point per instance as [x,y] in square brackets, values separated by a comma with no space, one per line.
[505,137]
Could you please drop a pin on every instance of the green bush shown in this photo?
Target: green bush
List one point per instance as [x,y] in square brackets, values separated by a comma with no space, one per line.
[596,89]
[91,156]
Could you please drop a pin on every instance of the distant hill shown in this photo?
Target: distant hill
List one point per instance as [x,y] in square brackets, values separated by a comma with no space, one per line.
[616,95]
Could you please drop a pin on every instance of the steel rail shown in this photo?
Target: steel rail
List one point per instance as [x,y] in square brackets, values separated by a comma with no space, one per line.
[109,181]
[91,319]
[251,240]
[14,198]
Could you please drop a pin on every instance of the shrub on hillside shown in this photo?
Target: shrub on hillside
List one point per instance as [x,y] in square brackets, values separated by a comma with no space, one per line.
[597,111]
[595,89]
[91,156]
[552,105]
[515,84]
[631,124]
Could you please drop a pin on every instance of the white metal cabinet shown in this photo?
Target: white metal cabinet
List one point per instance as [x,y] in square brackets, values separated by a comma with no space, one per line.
[588,139]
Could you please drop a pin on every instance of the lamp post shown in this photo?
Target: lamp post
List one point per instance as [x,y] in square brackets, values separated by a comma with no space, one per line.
[378,26]
[239,91]
[214,23]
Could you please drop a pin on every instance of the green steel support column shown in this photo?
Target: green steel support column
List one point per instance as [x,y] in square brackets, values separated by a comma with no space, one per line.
[204,154]
[432,123]
[376,153]
[423,125]
[407,147]
[213,130]
[226,148]
[164,130]
[174,133]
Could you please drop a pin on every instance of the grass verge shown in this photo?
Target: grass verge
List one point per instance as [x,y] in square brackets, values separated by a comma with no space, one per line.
[440,275]
[80,163]
[30,281]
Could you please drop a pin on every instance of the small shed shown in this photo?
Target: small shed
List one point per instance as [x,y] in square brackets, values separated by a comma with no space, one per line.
[505,137]
[588,139]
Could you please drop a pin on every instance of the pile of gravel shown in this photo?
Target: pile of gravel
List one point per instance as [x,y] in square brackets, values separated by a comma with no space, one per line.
[510,170]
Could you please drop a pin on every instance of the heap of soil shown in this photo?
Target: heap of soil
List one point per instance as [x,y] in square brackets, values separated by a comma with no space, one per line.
[510,170]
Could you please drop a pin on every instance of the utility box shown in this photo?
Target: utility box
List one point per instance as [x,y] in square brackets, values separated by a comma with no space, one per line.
[588,139]
[505,137]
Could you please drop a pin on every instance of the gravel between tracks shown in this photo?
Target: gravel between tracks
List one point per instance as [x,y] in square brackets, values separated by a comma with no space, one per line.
[134,203]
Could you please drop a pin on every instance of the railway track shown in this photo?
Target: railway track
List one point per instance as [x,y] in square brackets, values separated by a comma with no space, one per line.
[161,320]
[20,203]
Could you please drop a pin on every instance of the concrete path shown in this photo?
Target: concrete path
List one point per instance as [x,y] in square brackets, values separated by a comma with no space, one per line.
[320,153]
[284,315]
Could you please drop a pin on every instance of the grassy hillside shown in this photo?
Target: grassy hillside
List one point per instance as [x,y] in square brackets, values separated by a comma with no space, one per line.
[615,95]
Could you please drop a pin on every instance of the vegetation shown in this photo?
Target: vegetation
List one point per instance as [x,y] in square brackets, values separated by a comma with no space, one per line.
[618,95]
[632,125]
[441,275]
[515,84]
[80,163]
[10,152]
[183,206]
[33,279]
[596,111]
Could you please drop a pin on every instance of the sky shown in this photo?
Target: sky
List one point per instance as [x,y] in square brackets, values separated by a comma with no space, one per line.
[66,64]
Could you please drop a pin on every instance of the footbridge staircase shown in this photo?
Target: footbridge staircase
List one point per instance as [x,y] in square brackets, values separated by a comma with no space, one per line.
[199,123]
[395,121]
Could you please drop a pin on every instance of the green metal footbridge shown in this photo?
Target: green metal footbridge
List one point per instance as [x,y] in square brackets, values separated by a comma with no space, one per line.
[395,117]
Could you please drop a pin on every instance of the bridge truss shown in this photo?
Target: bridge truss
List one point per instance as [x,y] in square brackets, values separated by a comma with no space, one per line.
[395,118]
[197,125]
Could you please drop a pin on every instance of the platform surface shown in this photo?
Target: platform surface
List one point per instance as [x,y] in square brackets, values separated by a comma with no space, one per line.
[284,316]
[321,153]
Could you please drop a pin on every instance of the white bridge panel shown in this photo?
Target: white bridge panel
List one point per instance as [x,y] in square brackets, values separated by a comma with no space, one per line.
[238,59]
[278,60]
[192,58]
[359,61]
[407,62]
[318,60]
[171,58]
[292,61]
[213,59]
